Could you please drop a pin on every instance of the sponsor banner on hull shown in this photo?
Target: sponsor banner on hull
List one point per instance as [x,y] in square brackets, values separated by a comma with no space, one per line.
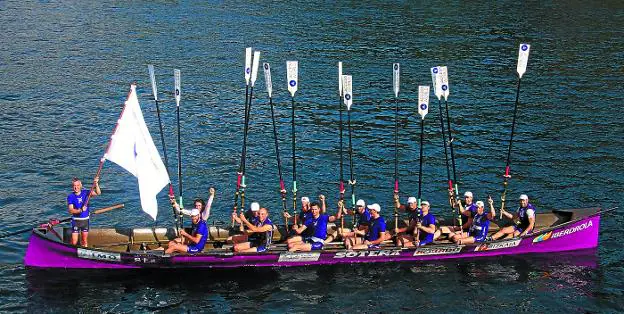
[299,257]
[564,232]
[372,253]
[438,250]
[100,256]
[497,245]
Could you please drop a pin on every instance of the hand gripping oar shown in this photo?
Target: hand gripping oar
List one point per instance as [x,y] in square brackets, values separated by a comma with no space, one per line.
[395,87]
[178,92]
[269,87]
[348,101]
[54,222]
[523,58]
[341,188]
[239,180]
[150,68]
[292,76]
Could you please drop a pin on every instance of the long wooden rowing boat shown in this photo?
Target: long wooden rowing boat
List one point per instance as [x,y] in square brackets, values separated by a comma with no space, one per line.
[561,230]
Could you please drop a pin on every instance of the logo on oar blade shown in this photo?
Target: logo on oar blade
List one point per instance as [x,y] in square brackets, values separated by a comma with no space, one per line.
[435,70]
[293,83]
[423,106]
[248,70]
[525,47]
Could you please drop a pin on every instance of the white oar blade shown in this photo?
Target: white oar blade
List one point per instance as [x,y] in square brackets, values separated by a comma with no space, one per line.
[247,65]
[267,79]
[340,79]
[150,68]
[176,76]
[423,101]
[292,75]
[444,80]
[523,58]
[395,79]
[437,82]
[254,69]
[347,88]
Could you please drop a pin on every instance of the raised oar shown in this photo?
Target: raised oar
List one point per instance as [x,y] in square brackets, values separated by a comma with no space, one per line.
[239,183]
[347,87]
[54,222]
[437,88]
[269,87]
[292,76]
[150,68]
[341,188]
[395,87]
[176,76]
[523,58]
[423,109]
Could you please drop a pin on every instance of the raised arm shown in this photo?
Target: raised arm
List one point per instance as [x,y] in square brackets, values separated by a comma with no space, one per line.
[206,212]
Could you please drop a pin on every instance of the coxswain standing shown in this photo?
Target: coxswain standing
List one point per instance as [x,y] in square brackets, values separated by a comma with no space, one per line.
[80,213]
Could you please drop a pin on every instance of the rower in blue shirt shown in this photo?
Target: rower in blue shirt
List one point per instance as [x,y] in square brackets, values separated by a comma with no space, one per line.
[525,220]
[317,224]
[376,232]
[480,225]
[193,242]
[262,229]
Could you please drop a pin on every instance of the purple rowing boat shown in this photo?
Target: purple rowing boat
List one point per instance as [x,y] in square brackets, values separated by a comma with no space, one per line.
[561,230]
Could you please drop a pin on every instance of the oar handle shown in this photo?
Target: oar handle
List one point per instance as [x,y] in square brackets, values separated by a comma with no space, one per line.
[109,208]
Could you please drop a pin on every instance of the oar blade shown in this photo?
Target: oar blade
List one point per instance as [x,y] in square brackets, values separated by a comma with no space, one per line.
[247,64]
[340,79]
[347,87]
[267,79]
[292,76]
[178,91]
[395,79]
[436,81]
[150,68]
[423,101]
[523,58]
[444,81]
[254,70]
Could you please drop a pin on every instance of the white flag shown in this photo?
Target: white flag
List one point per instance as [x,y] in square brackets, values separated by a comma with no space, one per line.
[133,149]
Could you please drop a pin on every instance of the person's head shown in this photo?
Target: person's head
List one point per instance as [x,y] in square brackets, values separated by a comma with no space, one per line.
[76,185]
[255,208]
[305,203]
[195,215]
[374,210]
[199,204]
[524,200]
[424,205]
[468,197]
[263,213]
[316,209]
[412,203]
[360,205]
[480,207]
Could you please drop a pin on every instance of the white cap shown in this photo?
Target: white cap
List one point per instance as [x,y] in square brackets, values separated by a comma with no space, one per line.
[194,212]
[411,200]
[480,204]
[523,197]
[305,199]
[360,203]
[374,207]
[255,207]
[468,194]
[424,203]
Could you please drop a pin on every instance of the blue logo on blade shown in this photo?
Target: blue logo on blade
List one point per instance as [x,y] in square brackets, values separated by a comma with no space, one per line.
[435,70]
[396,66]
[266,66]
[177,92]
[347,96]
[444,87]
[292,83]
[423,106]
[247,70]
[525,47]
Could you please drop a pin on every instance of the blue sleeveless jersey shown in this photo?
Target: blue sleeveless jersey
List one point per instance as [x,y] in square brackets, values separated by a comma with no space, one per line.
[480,227]
[199,228]
[78,201]
[318,226]
[376,227]
[523,216]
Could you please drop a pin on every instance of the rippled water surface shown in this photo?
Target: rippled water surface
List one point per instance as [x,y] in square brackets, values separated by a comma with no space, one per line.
[65,70]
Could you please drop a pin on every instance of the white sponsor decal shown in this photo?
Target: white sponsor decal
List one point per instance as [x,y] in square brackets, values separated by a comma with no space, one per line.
[498,245]
[100,256]
[438,250]
[574,229]
[376,253]
[299,257]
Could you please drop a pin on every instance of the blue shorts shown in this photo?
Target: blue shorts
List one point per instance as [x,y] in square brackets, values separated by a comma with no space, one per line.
[81,225]
[317,243]
[261,249]
[193,249]
[424,242]
[480,239]
[517,228]
[373,246]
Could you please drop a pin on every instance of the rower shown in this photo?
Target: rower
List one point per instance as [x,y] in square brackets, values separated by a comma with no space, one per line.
[304,214]
[467,212]
[424,230]
[525,223]
[479,226]
[252,215]
[193,242]
[76,202]
[317,224]
[204,208]
[406,234]
[262,229]
[362,219]
[376,232]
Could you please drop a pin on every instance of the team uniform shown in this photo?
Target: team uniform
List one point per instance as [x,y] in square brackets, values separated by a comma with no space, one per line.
[262,240]
[473,211]
[364,218]
[524,213]
[479,228]
[318,231]
[376,227]
[425,237]
[79,222]
[199,228]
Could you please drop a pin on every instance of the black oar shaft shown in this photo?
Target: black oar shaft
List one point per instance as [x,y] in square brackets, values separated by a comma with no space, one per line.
[420,167]
[341,188]
[352,178]
[277,156]
[294,159]
[396,146]
[448,171]
[508,162]
[162,140]
[451,139]
[180,219]
[239,179]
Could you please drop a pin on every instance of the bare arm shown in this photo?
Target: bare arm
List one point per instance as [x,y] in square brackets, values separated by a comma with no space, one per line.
[206,213]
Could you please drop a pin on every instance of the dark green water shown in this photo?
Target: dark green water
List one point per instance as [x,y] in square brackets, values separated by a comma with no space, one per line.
[65,70]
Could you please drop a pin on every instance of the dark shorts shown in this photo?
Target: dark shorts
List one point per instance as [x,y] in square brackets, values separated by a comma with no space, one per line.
[193,249]
[317,243]
[517,228]
[81,225]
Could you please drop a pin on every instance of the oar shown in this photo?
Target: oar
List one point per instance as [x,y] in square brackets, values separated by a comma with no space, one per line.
[178,91]
[269,87]
[54,222]
[341,188]
[348,101]
[523,58]
[239,179]
[423,109]
[150,68]
[395,85]
[292,76]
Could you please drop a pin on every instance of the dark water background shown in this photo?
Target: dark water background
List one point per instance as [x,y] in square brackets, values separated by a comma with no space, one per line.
[65,70]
